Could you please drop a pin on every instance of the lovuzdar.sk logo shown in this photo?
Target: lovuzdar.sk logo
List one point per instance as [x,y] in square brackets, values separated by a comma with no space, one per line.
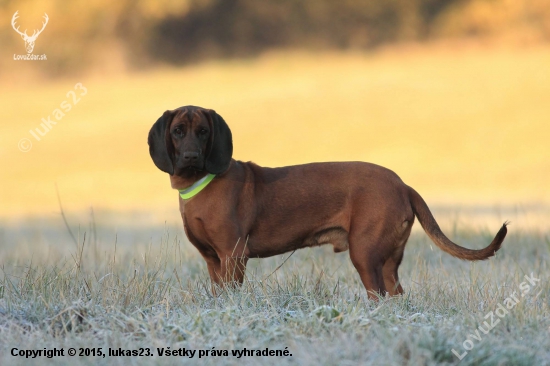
[29,40]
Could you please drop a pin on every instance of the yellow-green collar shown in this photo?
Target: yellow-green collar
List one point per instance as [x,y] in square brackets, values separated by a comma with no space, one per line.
[196,187]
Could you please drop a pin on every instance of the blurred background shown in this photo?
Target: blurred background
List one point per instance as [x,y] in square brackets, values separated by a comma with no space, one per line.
[453,95]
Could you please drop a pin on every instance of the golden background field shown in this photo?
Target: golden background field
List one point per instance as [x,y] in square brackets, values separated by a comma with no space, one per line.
[462,124]
[457,104]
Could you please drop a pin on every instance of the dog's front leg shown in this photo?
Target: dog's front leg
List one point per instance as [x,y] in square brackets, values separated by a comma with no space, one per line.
[226,272]
[214,266]
[233,269]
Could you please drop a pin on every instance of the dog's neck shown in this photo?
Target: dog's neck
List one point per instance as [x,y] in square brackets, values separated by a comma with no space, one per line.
[179,182]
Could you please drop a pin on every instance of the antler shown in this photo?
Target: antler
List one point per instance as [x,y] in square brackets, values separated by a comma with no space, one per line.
[13,25]
[36,33]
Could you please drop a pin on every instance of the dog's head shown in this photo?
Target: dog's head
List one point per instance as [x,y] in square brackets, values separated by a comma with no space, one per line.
[191,139]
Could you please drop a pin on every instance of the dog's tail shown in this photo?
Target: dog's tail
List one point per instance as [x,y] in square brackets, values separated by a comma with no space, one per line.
[431,228]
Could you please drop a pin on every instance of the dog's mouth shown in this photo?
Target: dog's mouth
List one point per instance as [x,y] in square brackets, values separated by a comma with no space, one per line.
[195,166]
[190,170]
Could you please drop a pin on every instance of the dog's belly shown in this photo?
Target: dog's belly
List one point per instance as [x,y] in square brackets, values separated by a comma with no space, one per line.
[336,236]
[264,247]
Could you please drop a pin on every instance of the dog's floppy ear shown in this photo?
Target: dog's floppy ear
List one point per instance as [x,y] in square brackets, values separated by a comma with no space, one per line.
[219,155]
[160,143]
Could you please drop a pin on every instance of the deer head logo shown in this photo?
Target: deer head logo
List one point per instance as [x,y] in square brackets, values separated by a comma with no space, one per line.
[29,40]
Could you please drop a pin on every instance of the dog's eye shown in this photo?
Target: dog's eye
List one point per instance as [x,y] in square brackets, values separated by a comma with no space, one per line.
[203,131]
[178,131]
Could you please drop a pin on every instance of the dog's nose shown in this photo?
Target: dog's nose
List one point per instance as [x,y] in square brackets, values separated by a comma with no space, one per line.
[190,156]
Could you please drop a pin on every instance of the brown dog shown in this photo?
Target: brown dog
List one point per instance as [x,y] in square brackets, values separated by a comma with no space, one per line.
[248,211]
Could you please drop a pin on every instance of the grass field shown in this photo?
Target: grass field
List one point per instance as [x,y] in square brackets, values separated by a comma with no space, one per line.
[148,288]
[459,124]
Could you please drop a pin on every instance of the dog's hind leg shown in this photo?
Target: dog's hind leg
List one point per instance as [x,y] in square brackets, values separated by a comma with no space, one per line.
[390,269]
[391,278]
[368,263]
